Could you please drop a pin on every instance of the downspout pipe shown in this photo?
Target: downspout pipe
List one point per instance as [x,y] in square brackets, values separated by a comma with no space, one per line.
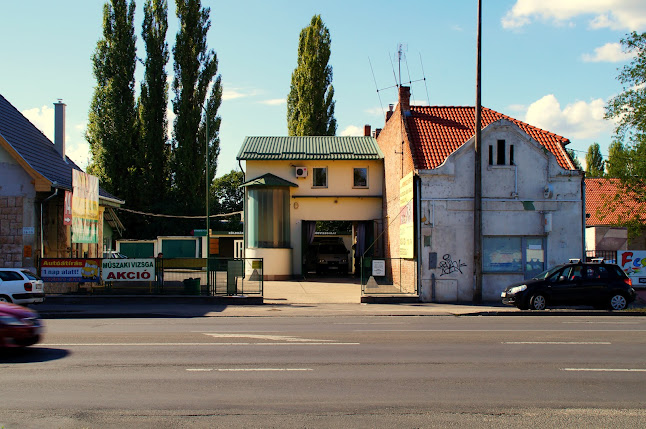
[42,245]
[244,213]
[418,204]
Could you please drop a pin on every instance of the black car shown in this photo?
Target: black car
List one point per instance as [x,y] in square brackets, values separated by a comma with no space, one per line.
[599,284]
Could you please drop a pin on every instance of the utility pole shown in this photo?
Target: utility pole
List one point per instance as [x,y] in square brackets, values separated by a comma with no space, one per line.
[477,200]
[208,226]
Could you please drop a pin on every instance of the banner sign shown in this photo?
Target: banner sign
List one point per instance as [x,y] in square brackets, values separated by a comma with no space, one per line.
[406,226]
[132,270]
[70,270]
[633,262]
[85,207]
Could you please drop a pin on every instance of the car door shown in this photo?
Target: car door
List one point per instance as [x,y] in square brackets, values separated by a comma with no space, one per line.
[568,287]
[594,284]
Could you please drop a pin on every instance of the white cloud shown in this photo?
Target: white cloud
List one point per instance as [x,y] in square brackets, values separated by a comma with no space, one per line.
[579,120]
[170,117]
[615,14]
[233,93]
[274,101]
[352,130]
[376,111]
[610,53]
[43,119]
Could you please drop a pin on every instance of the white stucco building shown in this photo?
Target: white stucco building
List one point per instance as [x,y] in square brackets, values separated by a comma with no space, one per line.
[532,199]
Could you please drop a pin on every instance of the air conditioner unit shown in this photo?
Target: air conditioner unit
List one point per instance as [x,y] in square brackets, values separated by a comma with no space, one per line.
[300,171]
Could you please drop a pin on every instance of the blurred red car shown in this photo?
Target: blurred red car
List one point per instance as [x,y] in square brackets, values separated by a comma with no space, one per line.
[19,326]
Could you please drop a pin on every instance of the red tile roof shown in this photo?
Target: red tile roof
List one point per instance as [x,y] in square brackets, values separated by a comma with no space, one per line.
[607,204]
[438,131]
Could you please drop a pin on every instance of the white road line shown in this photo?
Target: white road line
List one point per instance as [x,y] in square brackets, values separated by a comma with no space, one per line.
[246,369]
[605,369]
[499,330]
[556,342]
[284,338]
[193,344]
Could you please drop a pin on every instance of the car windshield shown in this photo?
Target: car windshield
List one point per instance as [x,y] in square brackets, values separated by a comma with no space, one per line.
[30,275]
[332,248]
[545,274]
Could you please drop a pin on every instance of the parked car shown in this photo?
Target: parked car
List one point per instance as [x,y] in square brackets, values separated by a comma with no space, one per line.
[113,254]
[20,286]
[19,326]
[599,284]
[331,255]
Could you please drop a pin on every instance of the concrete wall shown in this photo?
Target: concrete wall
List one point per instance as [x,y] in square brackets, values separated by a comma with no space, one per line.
[340,201]
[513,202]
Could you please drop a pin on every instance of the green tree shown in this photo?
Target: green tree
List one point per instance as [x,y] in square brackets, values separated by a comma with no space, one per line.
[615,165]
[310,103]
[195,67]
[628,109]
[111,130]
[575,160]
[153,100]
[594,163]
[227,193]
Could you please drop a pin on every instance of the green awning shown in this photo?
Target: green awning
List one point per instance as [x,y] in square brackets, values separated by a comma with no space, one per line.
[268,180]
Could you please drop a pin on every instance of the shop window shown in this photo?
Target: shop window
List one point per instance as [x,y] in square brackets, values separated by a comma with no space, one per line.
[513,255]
[268,217]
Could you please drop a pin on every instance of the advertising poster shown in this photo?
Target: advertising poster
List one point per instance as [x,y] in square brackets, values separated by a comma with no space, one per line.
[633,262]
[70,270]
[406,227]
[131,270]
[85,207]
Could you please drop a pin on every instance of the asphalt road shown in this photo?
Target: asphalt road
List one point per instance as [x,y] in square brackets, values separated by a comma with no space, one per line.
[354,371]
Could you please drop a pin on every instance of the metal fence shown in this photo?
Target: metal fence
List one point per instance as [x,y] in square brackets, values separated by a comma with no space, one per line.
[607,255]
[388,276]
[188,276]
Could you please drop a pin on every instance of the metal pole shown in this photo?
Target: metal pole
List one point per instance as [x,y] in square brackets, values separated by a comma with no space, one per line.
[208,232]
[477,202]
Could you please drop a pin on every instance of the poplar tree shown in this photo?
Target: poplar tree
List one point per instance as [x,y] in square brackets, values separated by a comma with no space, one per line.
[153,100]
[594,163]
[195,68]
[111,130]
[616,160]
[310,103]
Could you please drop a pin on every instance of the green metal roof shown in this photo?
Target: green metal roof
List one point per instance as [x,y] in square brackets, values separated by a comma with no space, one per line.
[269,180]
[315,147]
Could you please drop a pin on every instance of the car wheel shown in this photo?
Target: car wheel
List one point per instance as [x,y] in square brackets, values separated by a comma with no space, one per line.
[538,302]
[5,298]
[618,302]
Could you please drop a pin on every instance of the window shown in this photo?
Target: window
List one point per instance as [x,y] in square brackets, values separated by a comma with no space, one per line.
[513,255]
[511,154]
[268,217]
[360,178]
[500,158]
[490,155]
[319,177]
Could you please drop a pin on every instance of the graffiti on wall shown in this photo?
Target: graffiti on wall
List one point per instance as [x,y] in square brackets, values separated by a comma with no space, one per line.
[449,266]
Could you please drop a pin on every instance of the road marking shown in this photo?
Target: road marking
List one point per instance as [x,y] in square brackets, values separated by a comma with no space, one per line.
[600,323]
[193,344]
[556,342]
[284,338]
[605,369]
[246,369]
[499,330]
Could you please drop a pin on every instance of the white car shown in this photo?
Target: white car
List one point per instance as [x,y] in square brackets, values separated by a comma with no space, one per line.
[20,286]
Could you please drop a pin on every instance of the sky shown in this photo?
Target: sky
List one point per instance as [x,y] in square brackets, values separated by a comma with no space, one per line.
[550,63]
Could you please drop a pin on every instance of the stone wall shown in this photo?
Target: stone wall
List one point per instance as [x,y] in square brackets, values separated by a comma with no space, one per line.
[11,242]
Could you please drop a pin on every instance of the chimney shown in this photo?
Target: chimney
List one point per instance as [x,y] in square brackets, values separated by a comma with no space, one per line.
[404,99]
[389,113]
[59,127]
[366,130]
[376,132]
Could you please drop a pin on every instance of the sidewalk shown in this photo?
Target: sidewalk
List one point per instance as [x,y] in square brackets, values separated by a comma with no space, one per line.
[325,297]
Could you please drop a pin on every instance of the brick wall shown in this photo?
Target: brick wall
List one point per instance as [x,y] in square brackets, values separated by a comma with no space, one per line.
[398,162]
[11,231]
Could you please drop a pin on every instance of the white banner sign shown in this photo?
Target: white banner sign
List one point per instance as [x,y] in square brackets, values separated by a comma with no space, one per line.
[129,270]
[633,262]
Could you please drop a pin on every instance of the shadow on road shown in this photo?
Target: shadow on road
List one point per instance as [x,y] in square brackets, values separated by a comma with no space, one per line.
[32,355]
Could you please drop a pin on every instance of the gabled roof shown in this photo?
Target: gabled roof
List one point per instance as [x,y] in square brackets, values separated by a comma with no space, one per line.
[438,131]
[607,204]
[269,180]
[36,152]
[314,148]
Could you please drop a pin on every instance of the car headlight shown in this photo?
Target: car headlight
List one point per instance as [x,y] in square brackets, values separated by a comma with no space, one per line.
[517,289]
[11,321]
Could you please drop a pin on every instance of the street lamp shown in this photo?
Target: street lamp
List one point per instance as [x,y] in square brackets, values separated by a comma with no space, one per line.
[208,232]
